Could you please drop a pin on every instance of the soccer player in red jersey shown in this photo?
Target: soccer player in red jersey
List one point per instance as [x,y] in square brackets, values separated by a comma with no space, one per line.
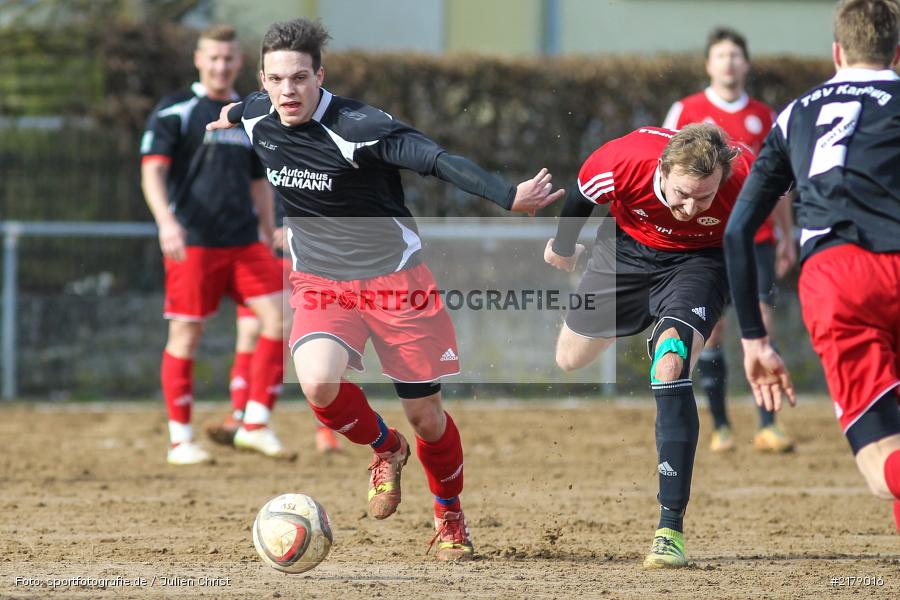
[840,143]
[357,255]
[725,103]
[659,260]
[208,193]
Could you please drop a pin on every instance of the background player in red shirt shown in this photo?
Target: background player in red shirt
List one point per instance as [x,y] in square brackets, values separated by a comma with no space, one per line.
[840,143]
[660,261]
[747,120]
[205,191]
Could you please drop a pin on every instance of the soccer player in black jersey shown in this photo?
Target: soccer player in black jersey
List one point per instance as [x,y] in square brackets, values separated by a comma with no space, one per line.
[336,164]
[202,188]
[840,143]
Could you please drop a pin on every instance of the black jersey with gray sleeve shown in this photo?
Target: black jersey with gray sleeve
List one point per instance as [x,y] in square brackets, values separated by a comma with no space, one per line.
[338,176]
[840,144]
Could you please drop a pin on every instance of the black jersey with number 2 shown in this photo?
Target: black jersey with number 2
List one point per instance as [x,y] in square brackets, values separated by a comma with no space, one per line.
[840,143]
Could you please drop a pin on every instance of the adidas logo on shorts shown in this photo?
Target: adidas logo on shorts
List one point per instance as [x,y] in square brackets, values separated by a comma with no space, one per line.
[700,311]
[449,355]
[667,470]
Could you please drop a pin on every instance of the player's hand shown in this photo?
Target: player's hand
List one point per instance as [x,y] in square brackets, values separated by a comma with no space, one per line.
[222,122]
[279,239]
[767,375]
[534,194]
[785,256]
[172,240]
[563,263]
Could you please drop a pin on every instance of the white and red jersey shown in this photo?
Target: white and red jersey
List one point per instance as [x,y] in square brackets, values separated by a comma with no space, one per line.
[745,120]
[624,173]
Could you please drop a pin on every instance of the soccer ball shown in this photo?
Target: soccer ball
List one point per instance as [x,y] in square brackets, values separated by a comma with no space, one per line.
[292,533]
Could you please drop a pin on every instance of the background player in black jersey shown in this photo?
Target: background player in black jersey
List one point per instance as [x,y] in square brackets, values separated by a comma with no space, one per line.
[840,142]
[208,194]
[335,163]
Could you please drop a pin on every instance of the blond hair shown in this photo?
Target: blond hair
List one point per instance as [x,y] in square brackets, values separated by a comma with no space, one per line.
[867,30]
[697,150]
[219,33]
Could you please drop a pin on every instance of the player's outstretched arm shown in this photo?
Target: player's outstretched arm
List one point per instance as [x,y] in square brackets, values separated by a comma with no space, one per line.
[536,193]
[229,117]
[768,377]
[529,196]
[562,251]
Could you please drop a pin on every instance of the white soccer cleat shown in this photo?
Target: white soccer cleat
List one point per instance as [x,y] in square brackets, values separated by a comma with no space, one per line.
[264,441]
[188,453]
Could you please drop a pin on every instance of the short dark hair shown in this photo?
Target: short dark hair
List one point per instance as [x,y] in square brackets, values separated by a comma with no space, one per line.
[298,35]
[722,34]
[867,30]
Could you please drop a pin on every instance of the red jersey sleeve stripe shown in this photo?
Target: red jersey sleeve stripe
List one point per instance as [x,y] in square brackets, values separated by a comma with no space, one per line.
[152,158]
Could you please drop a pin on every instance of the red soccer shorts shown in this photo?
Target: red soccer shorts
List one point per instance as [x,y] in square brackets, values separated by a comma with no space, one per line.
[402,312]
[195,286]
[244,311]
[850,307]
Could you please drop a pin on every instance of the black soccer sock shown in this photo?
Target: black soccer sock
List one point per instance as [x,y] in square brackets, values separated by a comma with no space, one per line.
[713,378]
[677,429]
[766,417]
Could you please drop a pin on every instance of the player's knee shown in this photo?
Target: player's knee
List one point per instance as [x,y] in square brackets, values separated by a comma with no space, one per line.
[183,338]
[668,368]
[319,391]
[878,486]
[568,359]
[427,421]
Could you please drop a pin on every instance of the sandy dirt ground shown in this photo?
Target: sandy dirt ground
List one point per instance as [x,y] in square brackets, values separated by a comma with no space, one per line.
[559,497]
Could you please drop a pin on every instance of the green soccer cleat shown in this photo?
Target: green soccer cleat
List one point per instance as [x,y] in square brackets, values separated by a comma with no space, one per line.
[666,551]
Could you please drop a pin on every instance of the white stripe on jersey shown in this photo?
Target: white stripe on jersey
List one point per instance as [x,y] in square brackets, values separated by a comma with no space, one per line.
[783,118]
[671,120]
[597,186]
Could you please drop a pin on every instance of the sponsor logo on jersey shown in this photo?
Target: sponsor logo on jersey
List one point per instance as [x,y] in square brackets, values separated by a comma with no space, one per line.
[753,124]
[640,212]
[664,230]
[654,132]
[708,221]
[449,355]
[352,114]
[700,311]
[267,145]
[666,469]
[299,179]
[232,137]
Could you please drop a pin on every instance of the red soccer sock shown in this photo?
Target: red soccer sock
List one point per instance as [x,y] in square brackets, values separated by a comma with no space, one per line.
[266,377]
[897,514]
[177,386]
[240,380]
[350,414]
[892,473]
[443,462]
[892,479]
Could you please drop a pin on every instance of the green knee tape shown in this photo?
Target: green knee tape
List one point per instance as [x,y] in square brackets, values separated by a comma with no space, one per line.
[673,345]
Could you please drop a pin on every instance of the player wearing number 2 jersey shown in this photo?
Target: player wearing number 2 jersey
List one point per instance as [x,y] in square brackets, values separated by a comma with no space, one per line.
[840,143]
